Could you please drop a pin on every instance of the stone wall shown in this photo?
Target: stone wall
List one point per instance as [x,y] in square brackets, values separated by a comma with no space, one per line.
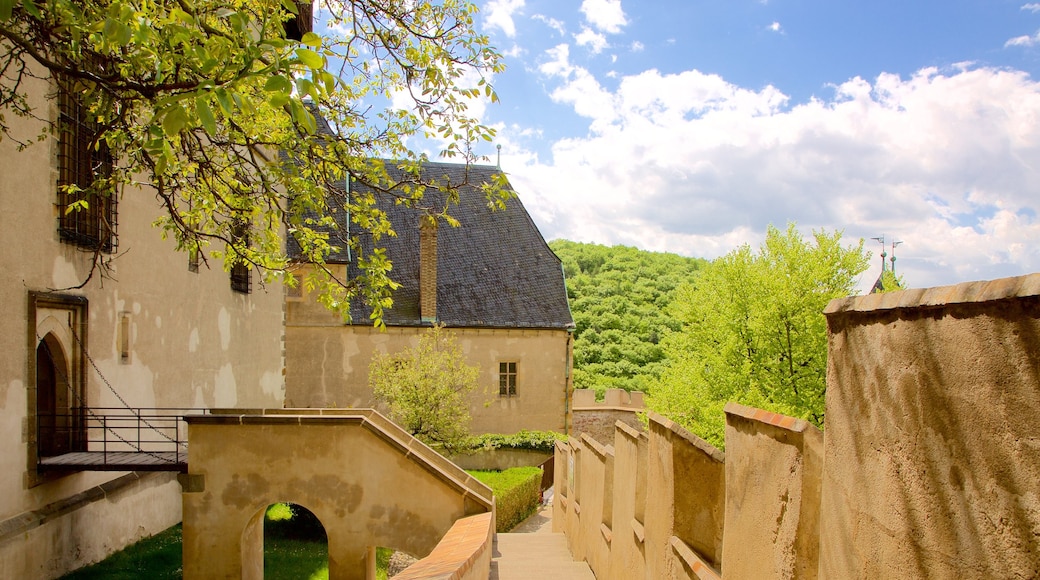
[597,418]
[930,466]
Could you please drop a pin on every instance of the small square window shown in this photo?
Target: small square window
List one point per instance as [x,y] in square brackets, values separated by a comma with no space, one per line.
[507,379]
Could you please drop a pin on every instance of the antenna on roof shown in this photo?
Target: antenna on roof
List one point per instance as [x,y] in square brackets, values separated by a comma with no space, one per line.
[498,164]
[893,258]
[884,254]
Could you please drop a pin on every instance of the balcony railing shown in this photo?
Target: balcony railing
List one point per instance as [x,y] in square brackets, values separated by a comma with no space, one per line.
[114,439]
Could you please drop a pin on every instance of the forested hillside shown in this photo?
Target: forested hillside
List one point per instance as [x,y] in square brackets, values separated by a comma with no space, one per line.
[620,299]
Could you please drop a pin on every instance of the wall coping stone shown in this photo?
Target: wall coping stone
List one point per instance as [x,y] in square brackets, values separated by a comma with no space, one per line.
[458,552]
[940,296]
[694,561]
[792,424]
[705,447]
[627,431]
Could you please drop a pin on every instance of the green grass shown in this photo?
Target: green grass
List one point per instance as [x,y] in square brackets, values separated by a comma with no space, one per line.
[159,557]
[156,557]
[303,559]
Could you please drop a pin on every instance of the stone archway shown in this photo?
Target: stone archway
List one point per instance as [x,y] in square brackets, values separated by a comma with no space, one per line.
[370,484]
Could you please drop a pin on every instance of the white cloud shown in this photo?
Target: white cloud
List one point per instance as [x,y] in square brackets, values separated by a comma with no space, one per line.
[595,41]
[637,46]
[1024,40]
[606,15]
[1032,7]
[499,14]
[775,27]
[553,23]
[946,161]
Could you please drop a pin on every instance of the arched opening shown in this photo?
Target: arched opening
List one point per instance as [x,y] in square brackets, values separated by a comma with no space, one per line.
[56,422]
[295,544]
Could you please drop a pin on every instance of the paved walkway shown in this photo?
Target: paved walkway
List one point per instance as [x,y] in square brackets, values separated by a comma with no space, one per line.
[533,551]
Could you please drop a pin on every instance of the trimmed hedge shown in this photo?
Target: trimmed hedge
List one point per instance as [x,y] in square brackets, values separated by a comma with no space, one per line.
[544,441]
[516,494]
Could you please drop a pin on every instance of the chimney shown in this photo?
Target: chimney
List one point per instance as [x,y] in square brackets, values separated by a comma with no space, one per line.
[428,268]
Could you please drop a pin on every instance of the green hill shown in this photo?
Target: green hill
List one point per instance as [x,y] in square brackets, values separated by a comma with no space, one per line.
[619,297]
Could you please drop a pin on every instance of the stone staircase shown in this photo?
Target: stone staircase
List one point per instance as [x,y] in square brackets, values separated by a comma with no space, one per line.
[533,552]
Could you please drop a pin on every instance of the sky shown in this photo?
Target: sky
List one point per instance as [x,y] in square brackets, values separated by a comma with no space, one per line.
[690,126]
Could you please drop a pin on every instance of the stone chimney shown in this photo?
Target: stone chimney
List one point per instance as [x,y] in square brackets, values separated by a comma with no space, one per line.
[428,268]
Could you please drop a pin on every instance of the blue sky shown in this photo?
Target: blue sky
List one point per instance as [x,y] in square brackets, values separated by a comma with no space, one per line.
[690,125]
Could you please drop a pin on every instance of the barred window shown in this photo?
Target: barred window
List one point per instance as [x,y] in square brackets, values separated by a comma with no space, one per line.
[300,23]
[507,379]
[240,274]
[83,160]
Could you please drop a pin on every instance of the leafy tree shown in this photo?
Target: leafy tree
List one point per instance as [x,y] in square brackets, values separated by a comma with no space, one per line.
[619,297]
[425,388]
[890,282]
[753,331]
[211,109]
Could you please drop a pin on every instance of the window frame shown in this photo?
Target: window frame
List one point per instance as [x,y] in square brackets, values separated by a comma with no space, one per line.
[82,161]
[508,378]
[241,273]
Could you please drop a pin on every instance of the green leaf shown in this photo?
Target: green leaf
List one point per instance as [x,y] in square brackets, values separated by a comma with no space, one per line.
[310,58]
[209,122]
[175,120]
[29,7]
[278,84]
[311,39]
[6,9]
[224,101]
[278,100]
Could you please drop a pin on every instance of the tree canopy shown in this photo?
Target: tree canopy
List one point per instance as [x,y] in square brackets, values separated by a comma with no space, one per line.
[619,297]
[753,331]
[425,388]
[208,106]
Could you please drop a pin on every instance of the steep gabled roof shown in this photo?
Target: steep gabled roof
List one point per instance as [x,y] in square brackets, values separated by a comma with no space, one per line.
[493,270]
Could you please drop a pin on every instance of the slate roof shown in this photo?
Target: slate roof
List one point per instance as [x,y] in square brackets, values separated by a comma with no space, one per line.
[494,270]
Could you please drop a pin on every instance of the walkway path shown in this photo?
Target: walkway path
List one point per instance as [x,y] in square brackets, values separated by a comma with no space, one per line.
[533,551]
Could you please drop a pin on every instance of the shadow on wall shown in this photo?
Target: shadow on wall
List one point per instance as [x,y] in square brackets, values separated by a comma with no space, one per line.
[932,468]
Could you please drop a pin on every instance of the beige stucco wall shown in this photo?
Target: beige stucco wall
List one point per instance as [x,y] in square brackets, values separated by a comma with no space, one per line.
[194,342]
[928,468]
[773,470]
[932,454]
[327,366]
[368,483]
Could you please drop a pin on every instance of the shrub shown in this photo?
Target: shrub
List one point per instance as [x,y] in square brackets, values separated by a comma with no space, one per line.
[544,441]
[516,494]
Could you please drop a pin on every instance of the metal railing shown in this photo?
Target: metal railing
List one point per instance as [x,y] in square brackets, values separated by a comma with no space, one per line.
[113,435]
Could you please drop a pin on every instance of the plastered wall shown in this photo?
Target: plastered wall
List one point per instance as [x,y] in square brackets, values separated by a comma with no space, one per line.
[368,482]
[932,439]
[327,366]
[929,466]
[192,343]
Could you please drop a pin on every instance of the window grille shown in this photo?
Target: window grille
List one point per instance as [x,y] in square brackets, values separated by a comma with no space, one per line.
[83,161]
[240,274]
[507,379]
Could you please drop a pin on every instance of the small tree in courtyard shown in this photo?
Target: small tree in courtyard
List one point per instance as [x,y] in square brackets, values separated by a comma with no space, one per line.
[425,388]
